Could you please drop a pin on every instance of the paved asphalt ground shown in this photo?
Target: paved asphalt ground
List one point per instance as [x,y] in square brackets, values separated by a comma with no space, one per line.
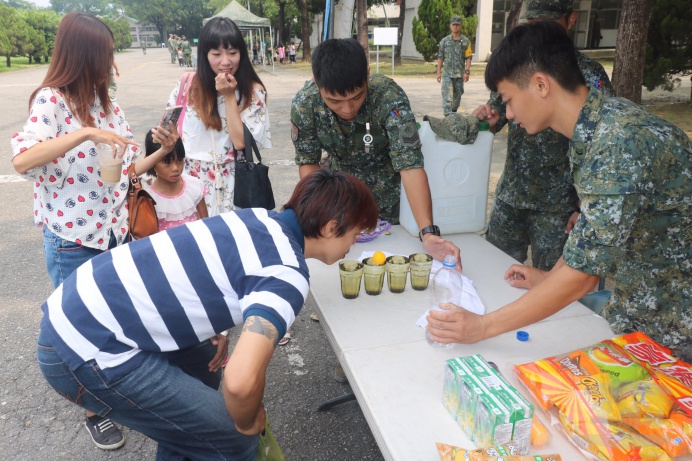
[37,424]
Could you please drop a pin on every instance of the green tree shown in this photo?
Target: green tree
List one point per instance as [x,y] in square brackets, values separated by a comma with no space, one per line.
[45,23]
[95,7]
[18,34]
[4,41]
[630,49]
[188,16]
[669,47]
[156,12]
[19,4]
[122,38]
[432,24]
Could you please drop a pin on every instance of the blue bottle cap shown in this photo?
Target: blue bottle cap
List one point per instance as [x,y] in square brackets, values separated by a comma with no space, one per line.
[522,335]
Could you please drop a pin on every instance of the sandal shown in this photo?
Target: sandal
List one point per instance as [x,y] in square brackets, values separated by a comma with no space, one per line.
[287,337]
[314,317]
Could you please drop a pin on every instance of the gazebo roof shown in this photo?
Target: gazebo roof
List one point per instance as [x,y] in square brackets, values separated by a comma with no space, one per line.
[241,16]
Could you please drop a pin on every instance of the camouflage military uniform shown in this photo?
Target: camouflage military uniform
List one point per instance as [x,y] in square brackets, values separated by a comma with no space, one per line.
[173,49]
[632,173]
[535,196]
[395,146]
[453,53]
[187,53]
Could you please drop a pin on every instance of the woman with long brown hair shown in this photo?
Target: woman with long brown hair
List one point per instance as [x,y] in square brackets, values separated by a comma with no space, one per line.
[224,94]
[69,114]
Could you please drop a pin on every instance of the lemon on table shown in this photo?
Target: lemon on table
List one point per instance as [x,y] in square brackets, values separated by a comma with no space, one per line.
[379,258]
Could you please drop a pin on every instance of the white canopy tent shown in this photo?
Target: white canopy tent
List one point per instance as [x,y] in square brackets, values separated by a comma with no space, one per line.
[245,20]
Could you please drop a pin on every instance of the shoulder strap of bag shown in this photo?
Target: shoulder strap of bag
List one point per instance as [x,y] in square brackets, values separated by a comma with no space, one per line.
[134,180]
[181,100]
[250,146]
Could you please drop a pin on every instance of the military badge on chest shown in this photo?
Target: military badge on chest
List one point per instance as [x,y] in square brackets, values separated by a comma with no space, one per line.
[367,139]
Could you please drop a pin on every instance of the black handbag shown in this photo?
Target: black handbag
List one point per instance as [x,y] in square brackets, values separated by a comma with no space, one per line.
[252,186]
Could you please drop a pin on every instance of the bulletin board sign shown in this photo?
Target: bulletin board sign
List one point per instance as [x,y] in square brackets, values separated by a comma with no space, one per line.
[385,36]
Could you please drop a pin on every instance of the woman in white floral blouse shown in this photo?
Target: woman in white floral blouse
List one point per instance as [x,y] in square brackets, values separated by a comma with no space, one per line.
[224,94]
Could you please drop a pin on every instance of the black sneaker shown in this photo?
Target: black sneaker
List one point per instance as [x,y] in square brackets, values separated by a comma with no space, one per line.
[104,433]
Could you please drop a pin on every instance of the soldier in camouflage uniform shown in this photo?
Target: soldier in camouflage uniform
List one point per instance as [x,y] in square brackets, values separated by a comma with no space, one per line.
[187,52]
[632,173]
[173,48]
[535,197]
[455,53]
[367,127]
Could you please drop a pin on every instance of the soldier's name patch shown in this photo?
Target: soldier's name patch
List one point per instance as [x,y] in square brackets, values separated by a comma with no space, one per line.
[294,132]
[408,134]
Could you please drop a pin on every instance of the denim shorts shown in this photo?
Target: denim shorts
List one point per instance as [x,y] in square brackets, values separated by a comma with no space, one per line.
[63,257]
[187,417]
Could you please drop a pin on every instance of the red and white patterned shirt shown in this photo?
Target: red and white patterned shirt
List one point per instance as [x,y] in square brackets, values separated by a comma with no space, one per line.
[69,195]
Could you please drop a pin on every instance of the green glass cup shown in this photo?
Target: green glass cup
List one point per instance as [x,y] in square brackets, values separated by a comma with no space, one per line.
[397,270]
[373,276]
[420,266]
[351,272]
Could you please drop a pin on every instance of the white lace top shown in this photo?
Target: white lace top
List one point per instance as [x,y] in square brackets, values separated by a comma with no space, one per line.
[174,210]
[202,143]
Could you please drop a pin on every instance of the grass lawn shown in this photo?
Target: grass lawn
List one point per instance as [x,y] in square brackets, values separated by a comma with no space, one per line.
[17,63]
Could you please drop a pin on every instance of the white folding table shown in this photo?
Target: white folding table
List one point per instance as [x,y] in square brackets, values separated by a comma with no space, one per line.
[397,377]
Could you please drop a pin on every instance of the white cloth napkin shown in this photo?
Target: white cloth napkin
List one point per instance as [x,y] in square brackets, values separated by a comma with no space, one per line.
[469,297]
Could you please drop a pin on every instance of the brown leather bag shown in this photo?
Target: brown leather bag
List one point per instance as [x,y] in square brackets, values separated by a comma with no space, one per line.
[143,219]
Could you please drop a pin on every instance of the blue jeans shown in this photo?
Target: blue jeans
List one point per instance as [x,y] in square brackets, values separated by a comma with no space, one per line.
[187,417]
[64,257]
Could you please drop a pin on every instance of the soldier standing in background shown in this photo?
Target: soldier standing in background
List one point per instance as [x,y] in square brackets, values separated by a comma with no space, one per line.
[187,52]
[143,44]
[172,48]
[455,54]
[535,196]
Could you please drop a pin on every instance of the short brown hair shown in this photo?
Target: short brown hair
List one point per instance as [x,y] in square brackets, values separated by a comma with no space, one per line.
[81,63]
[325,195]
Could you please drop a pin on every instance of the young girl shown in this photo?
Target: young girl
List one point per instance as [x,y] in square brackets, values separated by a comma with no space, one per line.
[179,197]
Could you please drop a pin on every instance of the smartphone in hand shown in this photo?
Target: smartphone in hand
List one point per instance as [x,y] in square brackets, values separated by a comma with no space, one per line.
[171,115]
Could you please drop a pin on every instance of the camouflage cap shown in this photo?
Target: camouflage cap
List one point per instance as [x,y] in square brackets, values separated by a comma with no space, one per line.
[462,129]
[547,9]
[455,20]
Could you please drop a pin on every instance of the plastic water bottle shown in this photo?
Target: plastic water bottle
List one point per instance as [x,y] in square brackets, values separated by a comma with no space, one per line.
[447,287]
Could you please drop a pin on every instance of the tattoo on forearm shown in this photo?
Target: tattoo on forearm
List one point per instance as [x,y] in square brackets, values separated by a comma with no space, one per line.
[263,327]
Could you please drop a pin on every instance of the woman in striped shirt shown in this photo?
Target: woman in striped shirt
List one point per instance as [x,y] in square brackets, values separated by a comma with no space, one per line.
[111,331]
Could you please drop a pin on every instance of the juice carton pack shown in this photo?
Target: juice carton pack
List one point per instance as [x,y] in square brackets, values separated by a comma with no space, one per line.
[483,415]
[520,408]
[460,396]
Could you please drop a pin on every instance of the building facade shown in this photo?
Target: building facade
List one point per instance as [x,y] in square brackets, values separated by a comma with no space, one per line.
[141,30]
[492,24]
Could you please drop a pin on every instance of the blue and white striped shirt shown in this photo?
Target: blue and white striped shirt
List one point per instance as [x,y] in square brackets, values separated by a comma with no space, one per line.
[179,287]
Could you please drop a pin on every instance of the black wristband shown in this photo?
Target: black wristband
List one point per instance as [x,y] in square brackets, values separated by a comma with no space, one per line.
[429,230]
